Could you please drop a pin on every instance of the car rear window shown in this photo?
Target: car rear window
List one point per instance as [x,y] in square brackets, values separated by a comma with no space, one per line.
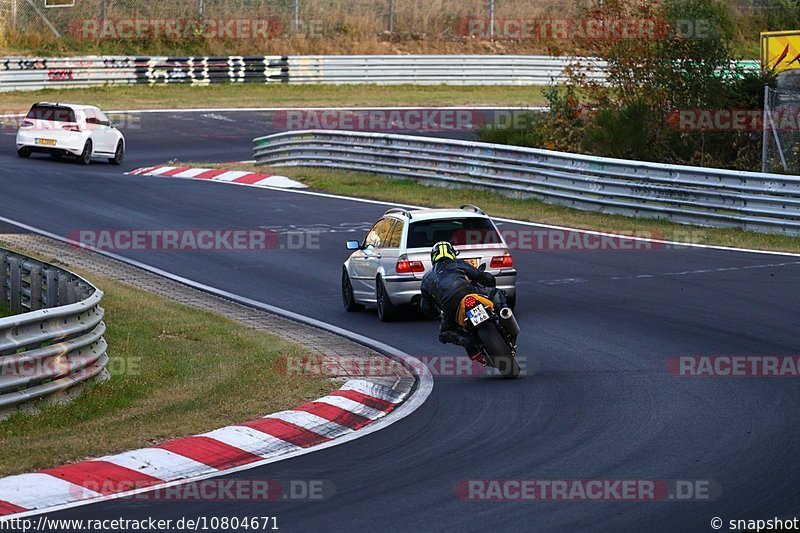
[51,112]
[459,231]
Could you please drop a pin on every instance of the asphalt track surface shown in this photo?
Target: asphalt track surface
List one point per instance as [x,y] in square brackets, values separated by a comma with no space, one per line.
[600,404]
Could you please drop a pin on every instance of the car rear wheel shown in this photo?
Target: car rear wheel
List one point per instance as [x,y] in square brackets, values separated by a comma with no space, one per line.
[86,156]
[386,311]
[24,152]
[119,155]
[348,299]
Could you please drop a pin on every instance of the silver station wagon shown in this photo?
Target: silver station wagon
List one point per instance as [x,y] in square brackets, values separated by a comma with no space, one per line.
[386,269]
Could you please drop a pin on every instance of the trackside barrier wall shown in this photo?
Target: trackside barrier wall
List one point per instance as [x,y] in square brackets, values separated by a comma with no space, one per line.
[54,338]
[691,195]
[18,74]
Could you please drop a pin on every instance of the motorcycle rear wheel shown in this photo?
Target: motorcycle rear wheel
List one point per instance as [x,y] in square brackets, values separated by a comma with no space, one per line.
[499,350]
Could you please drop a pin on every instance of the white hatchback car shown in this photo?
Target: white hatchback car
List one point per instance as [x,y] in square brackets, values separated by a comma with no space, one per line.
[67,129]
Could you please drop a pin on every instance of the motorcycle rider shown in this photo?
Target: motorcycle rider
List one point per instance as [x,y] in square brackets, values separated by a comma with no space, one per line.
[443,288]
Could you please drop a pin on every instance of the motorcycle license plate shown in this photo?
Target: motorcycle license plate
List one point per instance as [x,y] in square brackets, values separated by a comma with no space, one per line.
[478,315]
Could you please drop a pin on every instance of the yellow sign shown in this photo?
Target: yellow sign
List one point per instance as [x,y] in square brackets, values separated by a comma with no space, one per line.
[780,50]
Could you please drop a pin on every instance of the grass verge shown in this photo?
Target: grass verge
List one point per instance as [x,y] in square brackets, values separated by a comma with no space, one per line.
[406,191]
[277,95]
[176,371]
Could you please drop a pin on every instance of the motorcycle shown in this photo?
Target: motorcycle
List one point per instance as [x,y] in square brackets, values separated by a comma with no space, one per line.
[494,333]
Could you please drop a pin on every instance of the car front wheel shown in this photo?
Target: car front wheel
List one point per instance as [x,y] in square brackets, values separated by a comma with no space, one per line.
[24,152]
[348,299]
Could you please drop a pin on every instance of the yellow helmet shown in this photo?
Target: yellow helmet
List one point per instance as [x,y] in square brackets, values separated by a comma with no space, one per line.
[443,250]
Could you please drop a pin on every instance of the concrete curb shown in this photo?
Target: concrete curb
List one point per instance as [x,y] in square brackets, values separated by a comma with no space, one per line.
[355,405]
[238,177]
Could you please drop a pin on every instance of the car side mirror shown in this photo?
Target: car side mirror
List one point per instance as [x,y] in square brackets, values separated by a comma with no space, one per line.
[353,245]
[113,125]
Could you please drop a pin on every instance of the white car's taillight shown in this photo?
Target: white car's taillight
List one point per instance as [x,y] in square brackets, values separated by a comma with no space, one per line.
[502,261]
[71,127]
[26,124]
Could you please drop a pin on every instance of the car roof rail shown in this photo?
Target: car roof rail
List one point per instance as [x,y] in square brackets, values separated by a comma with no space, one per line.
[473,208]
[405,212]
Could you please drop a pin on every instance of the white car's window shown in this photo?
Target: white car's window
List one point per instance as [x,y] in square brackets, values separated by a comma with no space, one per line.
[103,118]
[395,235]
[92,117]
[52,113]
[459,231]
[379,234]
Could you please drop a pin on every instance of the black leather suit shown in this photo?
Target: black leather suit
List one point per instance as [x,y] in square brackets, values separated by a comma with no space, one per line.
[443,287]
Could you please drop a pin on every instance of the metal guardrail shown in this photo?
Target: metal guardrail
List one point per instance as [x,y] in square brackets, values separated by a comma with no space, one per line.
[54,340]
[18,74]
[436,69]
[691,195]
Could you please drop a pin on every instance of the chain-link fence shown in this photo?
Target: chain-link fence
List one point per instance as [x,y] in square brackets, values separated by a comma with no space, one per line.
[430,18]
[781,134]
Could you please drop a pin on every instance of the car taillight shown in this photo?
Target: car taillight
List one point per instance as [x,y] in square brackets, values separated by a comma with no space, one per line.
[406,267]
[27,124]
[470,302]
[502,261]
[70,127]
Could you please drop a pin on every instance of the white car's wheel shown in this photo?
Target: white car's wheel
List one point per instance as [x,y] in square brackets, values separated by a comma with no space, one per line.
[86,156]
[119,154]
[24,152]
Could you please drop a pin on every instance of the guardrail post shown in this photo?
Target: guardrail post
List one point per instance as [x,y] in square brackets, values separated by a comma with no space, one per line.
[491,20]
[51,293]
[4,278]
[390,16]
[36,288]
[15,288]
[63,287]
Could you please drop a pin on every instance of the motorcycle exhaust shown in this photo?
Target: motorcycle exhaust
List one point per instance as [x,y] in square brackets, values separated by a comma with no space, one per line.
[509,321]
